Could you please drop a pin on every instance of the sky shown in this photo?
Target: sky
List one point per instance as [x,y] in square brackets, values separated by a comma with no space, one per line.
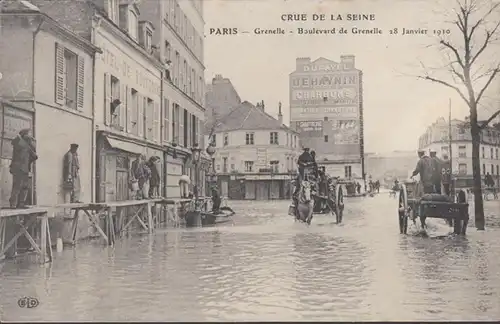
[398,106]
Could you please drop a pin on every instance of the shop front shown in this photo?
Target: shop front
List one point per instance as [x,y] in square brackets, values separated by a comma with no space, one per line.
[114,161]
[264,186]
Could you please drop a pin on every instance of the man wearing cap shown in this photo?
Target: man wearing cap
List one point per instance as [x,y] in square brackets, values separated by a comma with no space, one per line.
[424,168]
[71,174]
[23,155]
[437,166]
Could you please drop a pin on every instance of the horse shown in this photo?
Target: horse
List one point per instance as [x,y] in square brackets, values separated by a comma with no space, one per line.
[304,210]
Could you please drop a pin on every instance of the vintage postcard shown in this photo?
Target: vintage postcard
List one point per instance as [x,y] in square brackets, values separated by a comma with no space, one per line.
[249,160]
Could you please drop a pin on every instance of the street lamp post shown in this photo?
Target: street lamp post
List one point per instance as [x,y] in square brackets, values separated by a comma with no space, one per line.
[211,151]
[196,160]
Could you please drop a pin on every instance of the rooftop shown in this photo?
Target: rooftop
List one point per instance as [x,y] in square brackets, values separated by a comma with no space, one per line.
[248,117]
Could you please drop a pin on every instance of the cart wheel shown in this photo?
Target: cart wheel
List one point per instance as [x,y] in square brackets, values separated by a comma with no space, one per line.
[403,211]
[339,203]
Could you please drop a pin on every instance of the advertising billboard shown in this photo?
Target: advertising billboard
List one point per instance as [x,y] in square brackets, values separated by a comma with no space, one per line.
[327,93]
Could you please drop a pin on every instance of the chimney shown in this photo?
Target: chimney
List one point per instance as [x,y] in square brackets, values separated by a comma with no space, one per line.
[262,105]
[280,115]
[348,61]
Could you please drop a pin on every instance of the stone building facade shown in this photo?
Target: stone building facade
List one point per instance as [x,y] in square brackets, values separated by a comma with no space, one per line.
[436,137]
[47,76]
[256,154]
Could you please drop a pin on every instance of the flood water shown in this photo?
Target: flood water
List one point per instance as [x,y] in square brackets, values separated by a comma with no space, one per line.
[266,267]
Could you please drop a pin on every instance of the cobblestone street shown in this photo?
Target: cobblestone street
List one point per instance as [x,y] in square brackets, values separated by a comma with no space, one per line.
[265,266]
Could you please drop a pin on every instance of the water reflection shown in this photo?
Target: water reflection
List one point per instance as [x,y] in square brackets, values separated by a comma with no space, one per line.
[267,268]
[330,273]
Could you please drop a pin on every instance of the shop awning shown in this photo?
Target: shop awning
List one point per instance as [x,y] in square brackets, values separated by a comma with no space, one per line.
[124,146]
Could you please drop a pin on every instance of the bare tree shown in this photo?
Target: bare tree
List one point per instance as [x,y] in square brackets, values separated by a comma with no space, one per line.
[473,20]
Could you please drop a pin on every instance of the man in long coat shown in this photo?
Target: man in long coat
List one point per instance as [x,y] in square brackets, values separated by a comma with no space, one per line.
[71,173]
[23,155]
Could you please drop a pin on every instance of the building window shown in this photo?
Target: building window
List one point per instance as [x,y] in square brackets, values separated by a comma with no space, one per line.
[70,64]
[275,166]
[149,40]
[273,138]
[132,25]
[175,123]
[134,107]
[496,154]
[492,172]
[491,153]
[226,139]
[70,78]
[325,118]
[213,140]
[482,152]
[194,131]
[224,164]
[462,169]
[166,118]
[498,170]
[232,167]
[115,107]
[348,171]
[249,139]
[177,68]
[484,168]
[248,166]
[462,151]
[185,122]
[326,138]
[148,129]
[113,10]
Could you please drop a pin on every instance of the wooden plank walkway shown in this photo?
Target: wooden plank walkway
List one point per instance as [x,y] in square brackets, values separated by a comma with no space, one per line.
[22,220]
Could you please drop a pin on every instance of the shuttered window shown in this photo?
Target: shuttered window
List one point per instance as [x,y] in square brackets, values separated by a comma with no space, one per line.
[156,122]
[60,75]
[128,95]
[123,107]
[140,115]
[80,98]
[69,78]
[201,139]
[107,99]
[166,120]
[134,111]
[181,127]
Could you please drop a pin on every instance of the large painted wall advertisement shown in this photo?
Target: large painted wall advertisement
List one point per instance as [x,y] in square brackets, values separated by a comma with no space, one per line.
[328,96]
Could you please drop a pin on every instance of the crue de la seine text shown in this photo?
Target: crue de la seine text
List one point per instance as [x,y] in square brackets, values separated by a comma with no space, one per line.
[323,17]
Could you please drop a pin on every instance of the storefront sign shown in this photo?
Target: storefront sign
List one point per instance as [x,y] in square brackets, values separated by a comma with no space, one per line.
[312,128]
[267,177]
[324,81]
[125,67]
[318,113]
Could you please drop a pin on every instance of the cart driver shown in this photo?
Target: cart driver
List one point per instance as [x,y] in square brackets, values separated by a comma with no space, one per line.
[425,169]
[304,159]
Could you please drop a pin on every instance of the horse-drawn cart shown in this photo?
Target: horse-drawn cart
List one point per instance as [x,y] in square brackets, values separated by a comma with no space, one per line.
[317,196]
[414,204]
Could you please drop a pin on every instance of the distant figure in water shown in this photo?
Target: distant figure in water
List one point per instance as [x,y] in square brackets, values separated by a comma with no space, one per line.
[216,200]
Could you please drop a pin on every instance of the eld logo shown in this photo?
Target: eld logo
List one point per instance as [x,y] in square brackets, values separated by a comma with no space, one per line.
[28,302]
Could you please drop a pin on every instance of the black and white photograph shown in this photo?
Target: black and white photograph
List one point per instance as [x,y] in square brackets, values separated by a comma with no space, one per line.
[249,160]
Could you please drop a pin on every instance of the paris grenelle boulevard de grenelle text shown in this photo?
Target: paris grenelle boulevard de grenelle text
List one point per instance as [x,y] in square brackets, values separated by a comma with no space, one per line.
[221,31]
